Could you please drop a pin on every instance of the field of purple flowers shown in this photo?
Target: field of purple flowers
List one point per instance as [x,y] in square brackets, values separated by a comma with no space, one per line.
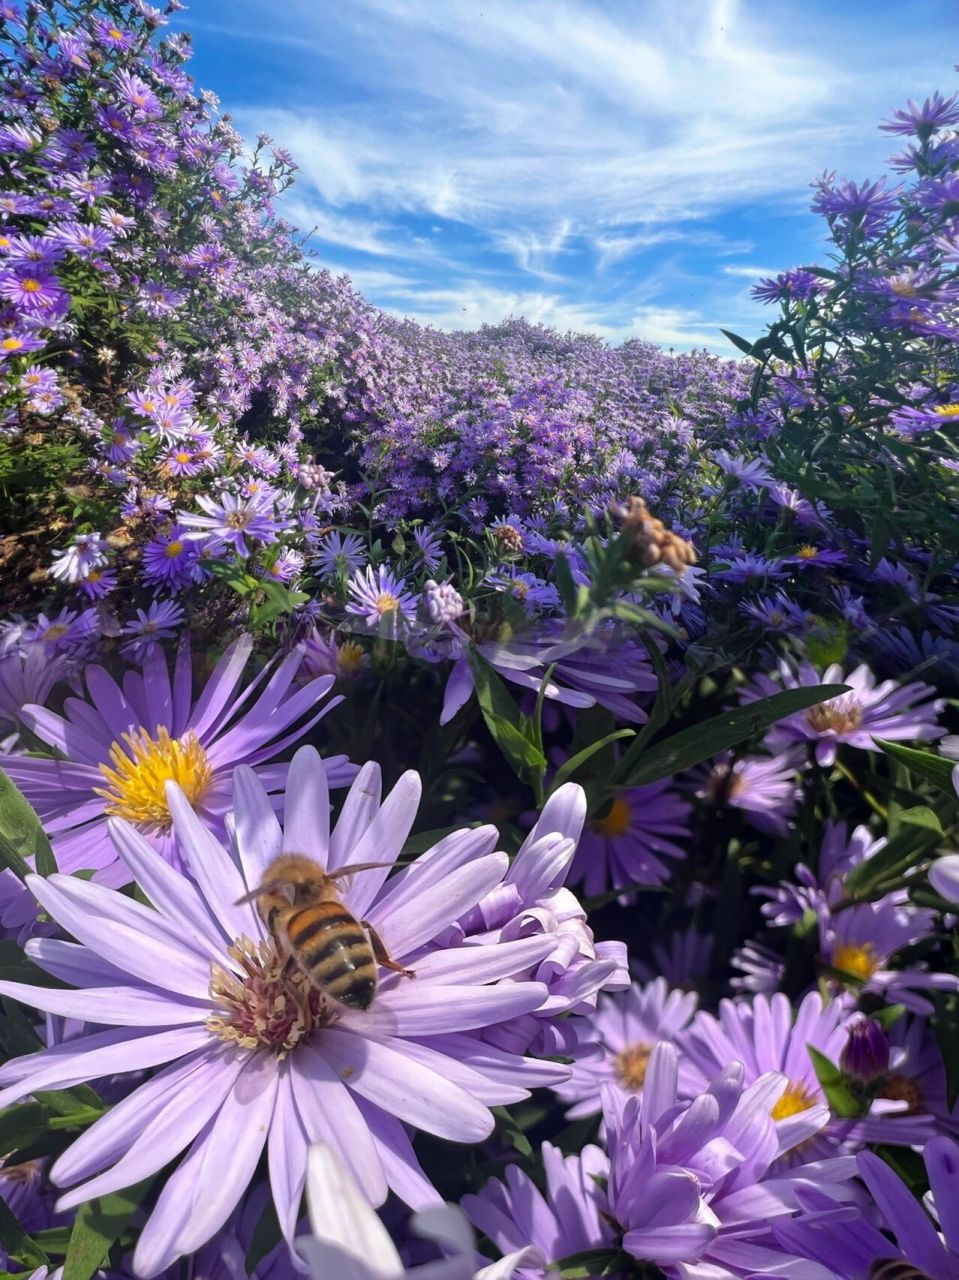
[607,697]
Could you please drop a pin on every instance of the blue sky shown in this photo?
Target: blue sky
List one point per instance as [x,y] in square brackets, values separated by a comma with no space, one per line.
[627,167]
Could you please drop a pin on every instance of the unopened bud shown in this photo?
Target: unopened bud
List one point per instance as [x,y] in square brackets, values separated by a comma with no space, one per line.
[865,1055]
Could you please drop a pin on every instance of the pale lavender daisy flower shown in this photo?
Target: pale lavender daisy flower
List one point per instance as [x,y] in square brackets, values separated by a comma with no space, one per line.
[849,1246]
[766,1034]
[615,1044]
[350,1242]
[697,1181]
[87,551]
[764,788]
[118,749]
[564,1222]
[253,1055]
[868,711]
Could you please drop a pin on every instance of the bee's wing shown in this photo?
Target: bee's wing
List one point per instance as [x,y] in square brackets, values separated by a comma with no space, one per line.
[356,866]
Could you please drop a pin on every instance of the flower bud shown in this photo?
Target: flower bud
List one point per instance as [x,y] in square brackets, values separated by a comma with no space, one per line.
[865,1055]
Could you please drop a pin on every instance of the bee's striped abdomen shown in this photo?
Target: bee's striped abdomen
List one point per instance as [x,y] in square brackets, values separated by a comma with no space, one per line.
[334,950]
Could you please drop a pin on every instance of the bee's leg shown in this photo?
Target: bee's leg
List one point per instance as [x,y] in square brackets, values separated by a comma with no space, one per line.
[381,954]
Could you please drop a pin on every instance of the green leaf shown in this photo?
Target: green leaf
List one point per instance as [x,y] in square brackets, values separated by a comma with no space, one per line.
[888,1014]
[503,718]
[745,347]
[16,1242]
[914,842]
[570,766]
[98,1224]
[594,1262]
[924,764]
[565,585]
[840,1097]
[945,1025]
[21,834]
[920,816]
[709,738]
[510,1130]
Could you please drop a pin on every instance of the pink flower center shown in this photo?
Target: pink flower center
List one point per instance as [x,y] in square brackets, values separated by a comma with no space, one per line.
[270,1004]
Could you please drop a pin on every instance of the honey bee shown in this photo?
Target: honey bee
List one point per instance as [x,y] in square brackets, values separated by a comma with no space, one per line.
[301,906]
[895,1269]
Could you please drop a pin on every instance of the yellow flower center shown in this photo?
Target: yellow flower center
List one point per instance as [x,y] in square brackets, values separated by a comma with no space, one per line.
[630,1066]
[173,549]
[349,657]
[30,285]
[948,410]
[183,457]
[841,715]
[115,33]
[386,602]
[55,632]
[796,1098]
[149,406]
[860,961]
[136,784]
[12,344]
[807,552]
[617,821]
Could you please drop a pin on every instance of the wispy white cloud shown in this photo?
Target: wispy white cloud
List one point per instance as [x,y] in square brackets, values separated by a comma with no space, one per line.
[569,145]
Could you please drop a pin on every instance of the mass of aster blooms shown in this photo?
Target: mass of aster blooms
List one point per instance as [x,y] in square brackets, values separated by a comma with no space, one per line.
[473,805]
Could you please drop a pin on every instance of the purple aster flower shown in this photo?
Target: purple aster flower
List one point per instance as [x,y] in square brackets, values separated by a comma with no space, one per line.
[252,1054]
[766,1034]
[868,205]
[868,711]
[98,583]
[230,522]
[339,555]
[171,560]
[752,473]
[35,290]
[700,1182]
[614,1045]
[69,631]
[27,674]
[323,656]
[851,1247]
[430,548]
[380,598]
[564,1222]
[119,749]
[350,1242]
[763,787]
[778,614]
[159,622]
[935,113]
[532,592]
[810,557]
[742,568]
[634,843]
[84,239]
